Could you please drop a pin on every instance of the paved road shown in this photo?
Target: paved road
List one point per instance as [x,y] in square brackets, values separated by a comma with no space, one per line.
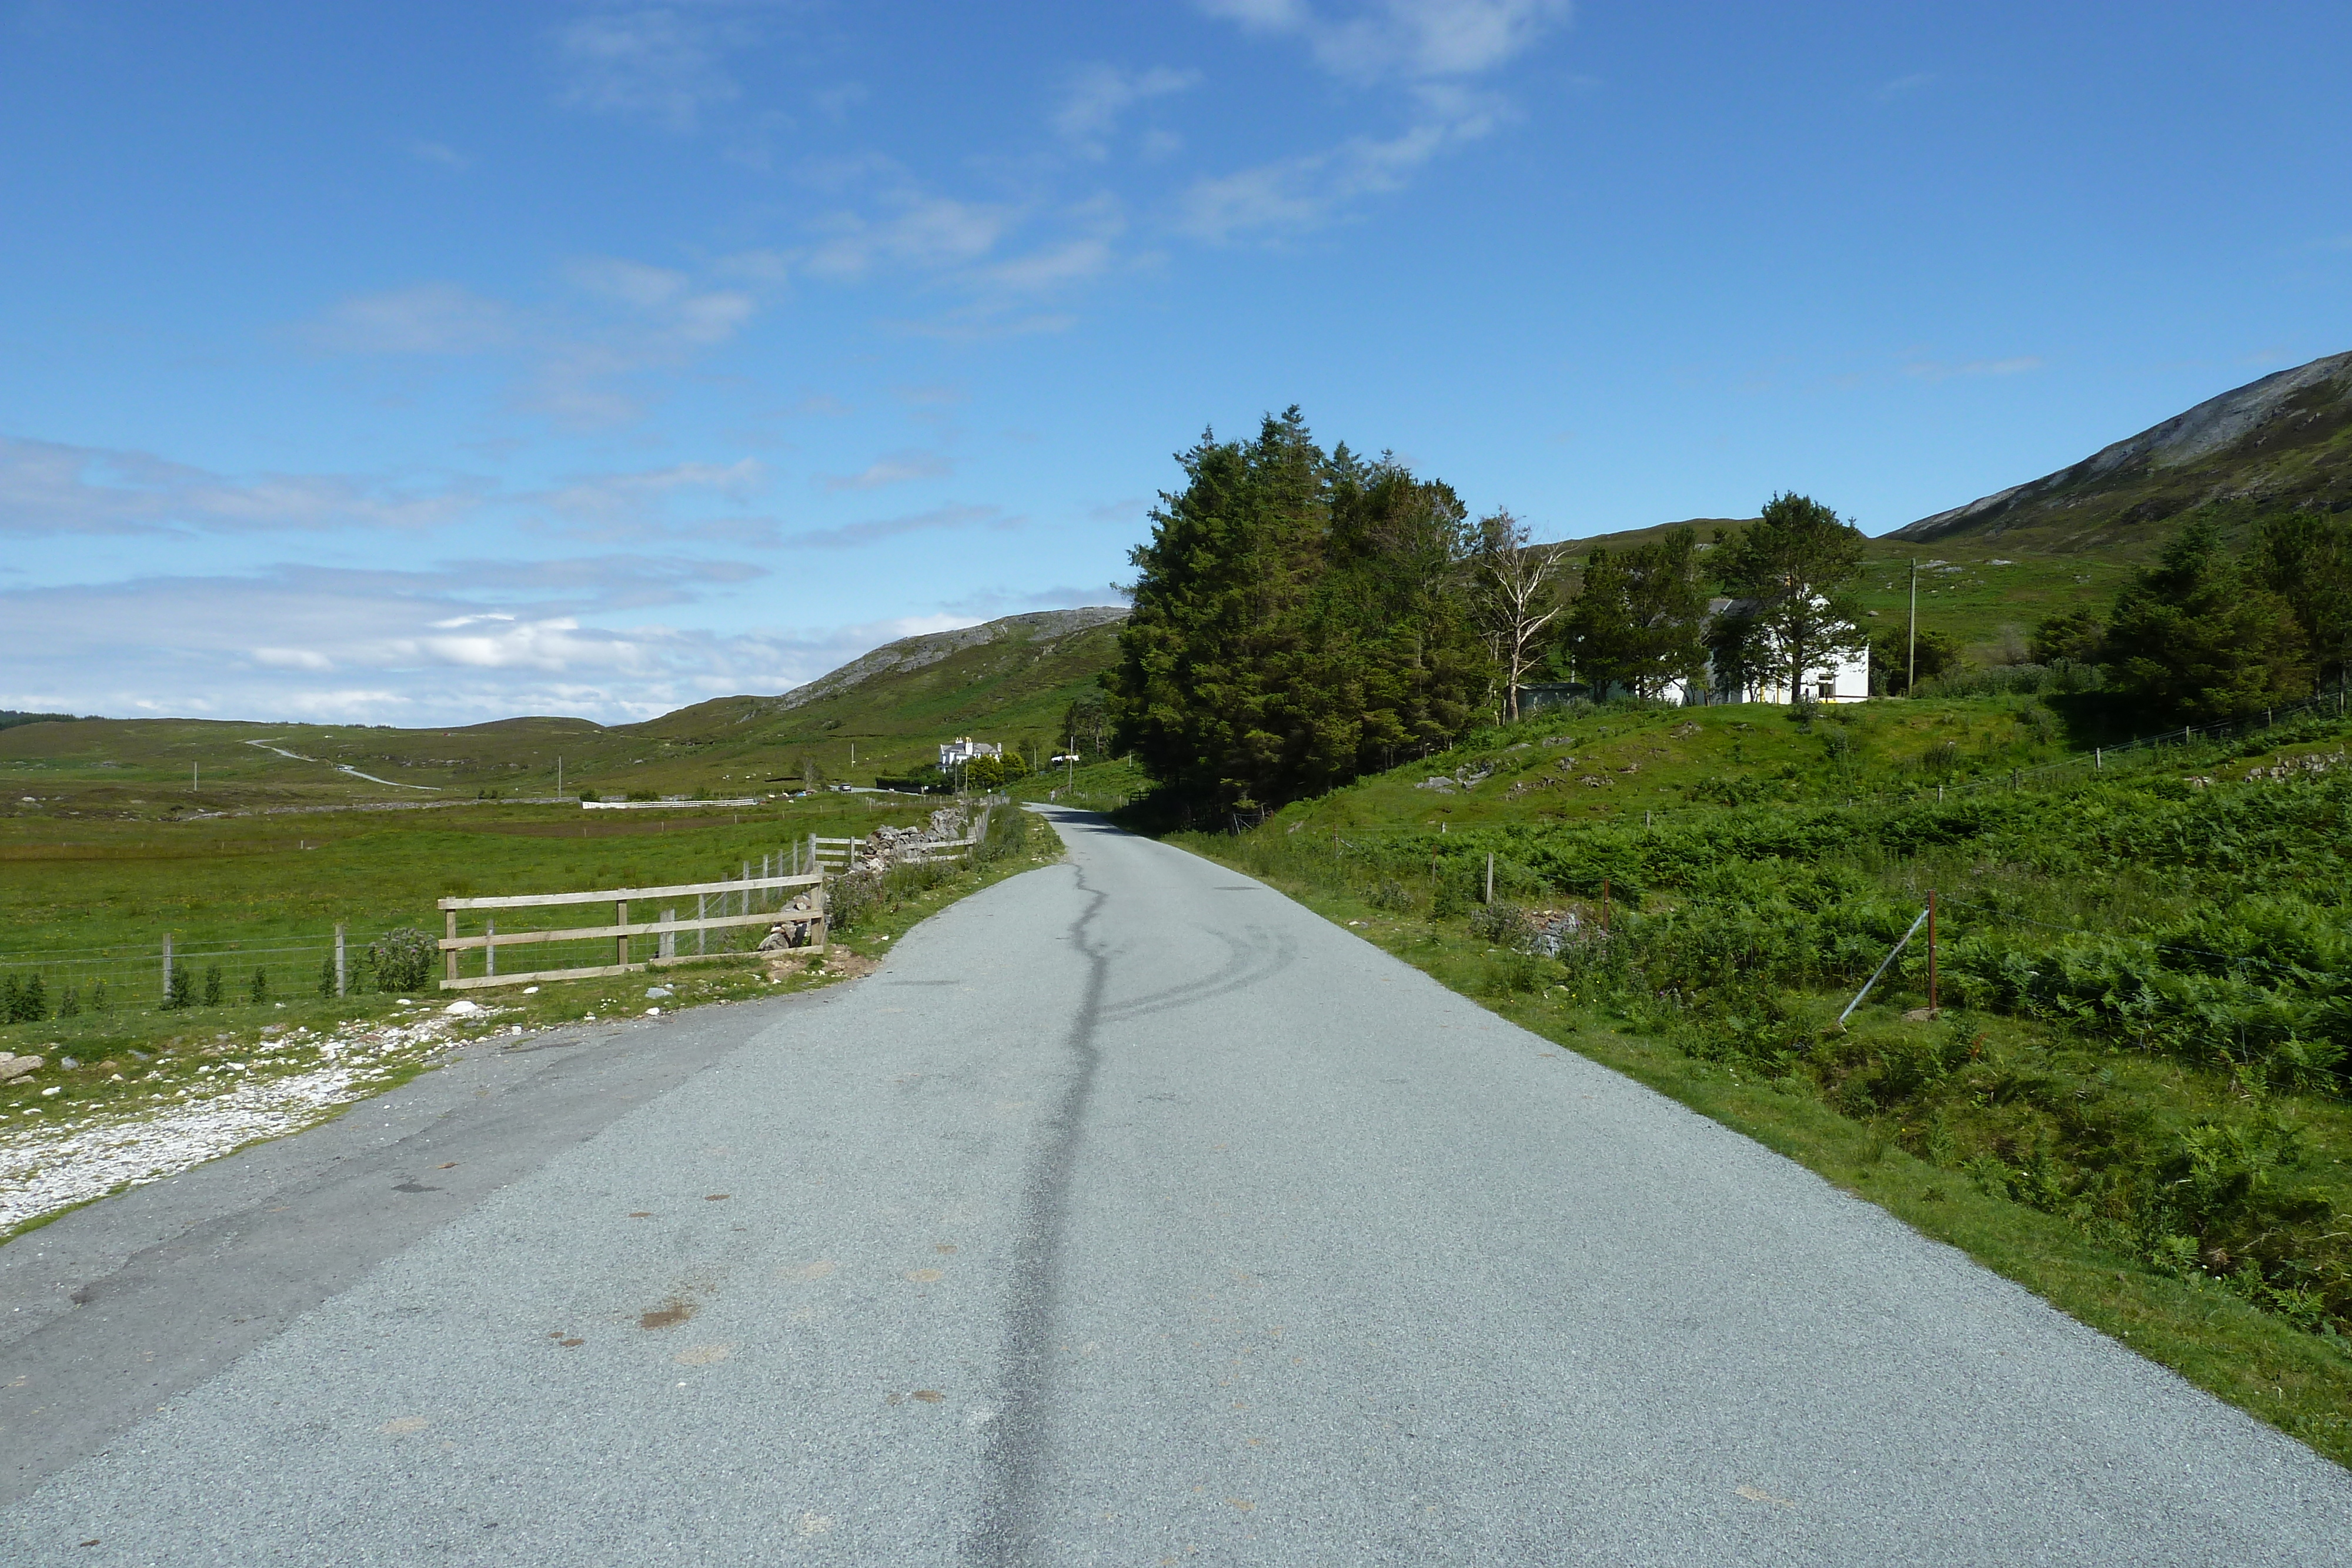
[1131,1215]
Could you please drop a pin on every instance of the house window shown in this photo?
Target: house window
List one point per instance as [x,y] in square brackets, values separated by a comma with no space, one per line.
[1828,689]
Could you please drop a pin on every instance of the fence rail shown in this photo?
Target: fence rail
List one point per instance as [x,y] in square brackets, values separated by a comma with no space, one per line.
[666,930]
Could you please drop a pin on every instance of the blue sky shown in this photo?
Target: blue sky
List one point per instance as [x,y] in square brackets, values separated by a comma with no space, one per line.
[435,362]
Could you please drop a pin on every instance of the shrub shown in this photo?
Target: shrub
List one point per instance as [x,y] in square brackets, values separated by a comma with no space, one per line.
[260,987]
[179,993]
[70,1004]
[1506,925]
[401,959]
[327,977]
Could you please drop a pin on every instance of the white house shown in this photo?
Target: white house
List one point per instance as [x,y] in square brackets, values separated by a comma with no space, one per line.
[963,748]
[1839,671]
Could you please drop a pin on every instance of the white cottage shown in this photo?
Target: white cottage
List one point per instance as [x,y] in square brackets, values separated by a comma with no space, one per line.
[963,748]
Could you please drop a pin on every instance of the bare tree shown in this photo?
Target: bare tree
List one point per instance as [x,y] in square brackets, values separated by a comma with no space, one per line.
[1517,589]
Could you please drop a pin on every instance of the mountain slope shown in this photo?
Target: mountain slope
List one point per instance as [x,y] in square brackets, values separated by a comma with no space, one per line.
[2283,441]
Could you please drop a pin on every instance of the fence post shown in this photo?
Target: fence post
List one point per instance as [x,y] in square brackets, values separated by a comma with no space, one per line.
[1490,876]
[701,937]
[1931,952]
[341,981]
[167,965]
[620,943]
[490,947]
[665,946]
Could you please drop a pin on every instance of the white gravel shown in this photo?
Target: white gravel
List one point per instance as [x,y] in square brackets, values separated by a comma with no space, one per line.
[266,1090]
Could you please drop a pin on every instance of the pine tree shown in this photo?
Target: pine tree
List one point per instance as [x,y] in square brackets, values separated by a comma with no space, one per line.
[181,991]
[1636,624]
[212,985]
[1792,565]
[1299,619]
[2306,558]
[70,1004]
[260,987]
[32,1002]
[2198,637]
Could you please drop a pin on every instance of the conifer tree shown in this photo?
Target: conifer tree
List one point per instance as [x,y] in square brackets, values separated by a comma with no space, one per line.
[1792,566]
[2197,637]
[1636,623]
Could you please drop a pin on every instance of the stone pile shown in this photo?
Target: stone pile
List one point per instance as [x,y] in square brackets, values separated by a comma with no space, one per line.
[2309,765]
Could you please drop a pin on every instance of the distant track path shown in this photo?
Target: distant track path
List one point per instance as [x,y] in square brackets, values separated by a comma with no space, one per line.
[1131,1214]
[344,768]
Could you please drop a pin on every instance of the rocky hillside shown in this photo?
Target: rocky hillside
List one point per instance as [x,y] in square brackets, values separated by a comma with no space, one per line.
[2283,441]
[1046,628]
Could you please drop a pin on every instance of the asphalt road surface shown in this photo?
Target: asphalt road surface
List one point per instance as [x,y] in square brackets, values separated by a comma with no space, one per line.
[1129,1215]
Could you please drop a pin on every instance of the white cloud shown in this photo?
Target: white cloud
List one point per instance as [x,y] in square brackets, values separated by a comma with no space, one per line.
[661,63]
[439,153]
[1902,87]
[1413,39]
[938,519]
[298,642]
[891,468]
[923,231]
[1098,94]
[422,318]
[1431,50]
[1294,195]
[619,505]
[50,488]
[1939,370]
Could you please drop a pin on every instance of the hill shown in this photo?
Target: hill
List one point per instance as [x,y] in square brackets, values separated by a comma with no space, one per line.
[2283,441]
[1008,679]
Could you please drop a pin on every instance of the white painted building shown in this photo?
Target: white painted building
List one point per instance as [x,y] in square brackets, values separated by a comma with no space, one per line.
[963,748]
[1839,671]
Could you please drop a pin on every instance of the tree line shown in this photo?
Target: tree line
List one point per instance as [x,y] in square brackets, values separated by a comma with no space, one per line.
[2208,634]
[1303,617]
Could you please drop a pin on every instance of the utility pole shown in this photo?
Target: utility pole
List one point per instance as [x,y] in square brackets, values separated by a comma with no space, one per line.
[1911,671]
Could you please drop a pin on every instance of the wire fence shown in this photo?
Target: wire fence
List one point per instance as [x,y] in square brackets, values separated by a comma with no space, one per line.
[216,967]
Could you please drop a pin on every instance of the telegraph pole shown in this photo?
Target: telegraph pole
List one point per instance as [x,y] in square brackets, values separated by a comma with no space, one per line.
[1911,670]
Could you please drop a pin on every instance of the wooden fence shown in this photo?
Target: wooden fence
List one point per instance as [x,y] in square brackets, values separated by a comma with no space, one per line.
[665,931]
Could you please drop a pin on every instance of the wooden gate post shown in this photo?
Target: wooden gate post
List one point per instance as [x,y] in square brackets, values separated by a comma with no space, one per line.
[452,954]
[620,943]
[822,925]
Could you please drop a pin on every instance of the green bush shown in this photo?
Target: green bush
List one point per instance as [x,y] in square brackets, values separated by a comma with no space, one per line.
[401,959]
